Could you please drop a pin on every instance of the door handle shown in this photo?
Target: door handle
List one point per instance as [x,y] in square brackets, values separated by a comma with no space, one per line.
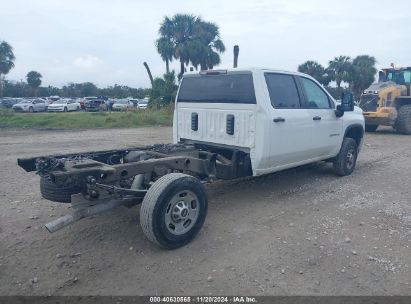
[279,119]
[316,118]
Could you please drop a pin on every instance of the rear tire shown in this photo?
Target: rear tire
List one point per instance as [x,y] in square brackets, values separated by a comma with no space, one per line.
[371,128]
[52,192]
[345,161]
[65,110]
[403,123]
[173,210]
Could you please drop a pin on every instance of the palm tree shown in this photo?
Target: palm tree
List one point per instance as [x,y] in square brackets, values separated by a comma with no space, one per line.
[363,73]
[182,29]
[340,69]
[315,70]
[34,80]
[164,44]
[189,39]
[206,44]
[6,62]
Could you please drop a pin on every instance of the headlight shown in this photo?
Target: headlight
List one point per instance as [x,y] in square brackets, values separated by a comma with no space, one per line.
[365,92]
[375,92]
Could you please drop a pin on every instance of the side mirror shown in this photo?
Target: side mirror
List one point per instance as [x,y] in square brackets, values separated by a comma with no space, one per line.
[347,102]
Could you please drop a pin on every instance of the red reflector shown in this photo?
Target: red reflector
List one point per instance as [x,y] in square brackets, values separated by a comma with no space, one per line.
[213,72]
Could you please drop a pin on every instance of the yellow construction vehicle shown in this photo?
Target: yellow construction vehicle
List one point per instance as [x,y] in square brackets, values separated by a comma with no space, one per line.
[388,102]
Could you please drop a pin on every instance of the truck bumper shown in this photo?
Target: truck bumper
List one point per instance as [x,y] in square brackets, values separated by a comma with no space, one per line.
[385,116]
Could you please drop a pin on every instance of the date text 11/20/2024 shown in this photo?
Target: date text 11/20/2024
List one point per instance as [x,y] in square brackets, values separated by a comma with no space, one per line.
[205,299]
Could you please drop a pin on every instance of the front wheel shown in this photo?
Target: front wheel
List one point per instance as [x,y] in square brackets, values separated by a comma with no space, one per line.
[403,123]
[173,210]
[344,163]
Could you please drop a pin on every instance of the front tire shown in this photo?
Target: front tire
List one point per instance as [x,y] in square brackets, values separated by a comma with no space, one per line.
[371,128]
[173,210]
[403,123]
[346,160]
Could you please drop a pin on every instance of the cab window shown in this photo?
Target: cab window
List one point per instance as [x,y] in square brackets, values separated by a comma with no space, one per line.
[316,97]
[283,90]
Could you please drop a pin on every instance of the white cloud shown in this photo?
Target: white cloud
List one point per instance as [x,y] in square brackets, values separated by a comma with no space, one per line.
[87,62]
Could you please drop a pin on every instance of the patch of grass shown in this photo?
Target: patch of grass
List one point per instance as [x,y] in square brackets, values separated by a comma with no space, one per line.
[86,120]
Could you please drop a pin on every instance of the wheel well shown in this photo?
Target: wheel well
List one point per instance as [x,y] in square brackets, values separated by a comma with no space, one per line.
[355,132]
[402,100]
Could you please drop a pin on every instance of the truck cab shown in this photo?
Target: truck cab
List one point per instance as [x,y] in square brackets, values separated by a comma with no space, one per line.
[280,119]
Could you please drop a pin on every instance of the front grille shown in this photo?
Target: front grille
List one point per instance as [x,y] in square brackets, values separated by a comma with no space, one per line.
[369,103]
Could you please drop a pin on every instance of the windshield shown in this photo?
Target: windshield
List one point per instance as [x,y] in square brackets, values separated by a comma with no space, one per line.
[122,102]
[399,77]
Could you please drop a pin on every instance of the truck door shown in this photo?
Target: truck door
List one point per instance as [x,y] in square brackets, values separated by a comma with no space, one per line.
[290,125]
[327,128]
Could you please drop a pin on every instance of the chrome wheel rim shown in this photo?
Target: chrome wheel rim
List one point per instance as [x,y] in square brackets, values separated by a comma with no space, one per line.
[182,212]
[350,158]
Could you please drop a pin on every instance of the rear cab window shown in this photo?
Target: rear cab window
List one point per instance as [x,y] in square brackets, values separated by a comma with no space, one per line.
[283,91]
[222,88]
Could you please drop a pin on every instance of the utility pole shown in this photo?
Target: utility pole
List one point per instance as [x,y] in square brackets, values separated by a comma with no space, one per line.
[236,51]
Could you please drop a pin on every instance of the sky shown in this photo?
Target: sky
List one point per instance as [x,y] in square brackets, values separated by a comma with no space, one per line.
[106,42]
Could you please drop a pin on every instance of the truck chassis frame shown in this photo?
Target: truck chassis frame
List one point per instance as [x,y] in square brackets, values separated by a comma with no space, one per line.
[107,179]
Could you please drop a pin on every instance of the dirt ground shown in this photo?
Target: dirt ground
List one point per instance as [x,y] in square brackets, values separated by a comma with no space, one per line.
[299,232]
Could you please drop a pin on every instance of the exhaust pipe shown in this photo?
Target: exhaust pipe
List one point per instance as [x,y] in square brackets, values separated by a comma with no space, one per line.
[68,219]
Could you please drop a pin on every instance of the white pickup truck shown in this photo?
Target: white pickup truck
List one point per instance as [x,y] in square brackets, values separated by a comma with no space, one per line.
[227,124]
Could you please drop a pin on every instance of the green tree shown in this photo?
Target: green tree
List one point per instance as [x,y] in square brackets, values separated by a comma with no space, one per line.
[6,62]
[315,70]
[164,44]
[206,45]
[340,69]
[363,73]
[188,38]
[88,89]
[164,90]
[34,80]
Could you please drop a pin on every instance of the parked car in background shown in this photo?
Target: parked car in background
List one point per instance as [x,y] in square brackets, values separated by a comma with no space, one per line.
[134,101]
[142,103]
[123,105]
[8,102]
[64,105]
[31,105]
[94,105]
[52,99]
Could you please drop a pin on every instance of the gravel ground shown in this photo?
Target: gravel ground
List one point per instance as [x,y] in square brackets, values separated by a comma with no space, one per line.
[299,232]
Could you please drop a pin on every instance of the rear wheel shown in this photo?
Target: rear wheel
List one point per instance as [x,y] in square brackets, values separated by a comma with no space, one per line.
[173,210]
[403,123]
[52,192]
[344,163]
[65,109]
[371,128]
